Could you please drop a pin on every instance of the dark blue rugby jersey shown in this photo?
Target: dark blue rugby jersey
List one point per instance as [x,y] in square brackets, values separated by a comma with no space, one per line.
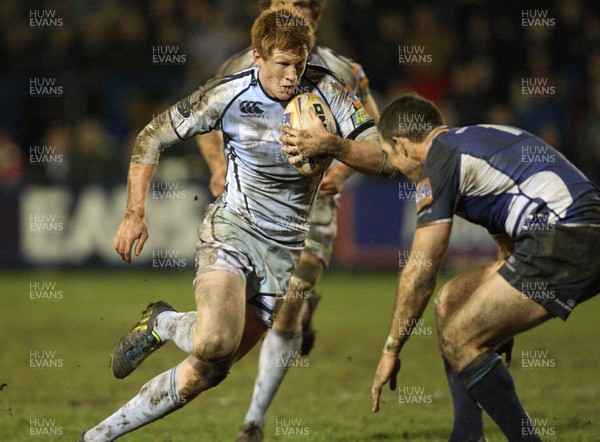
[504,179]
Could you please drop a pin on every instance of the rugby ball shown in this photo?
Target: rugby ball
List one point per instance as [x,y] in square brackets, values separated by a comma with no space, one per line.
[297,116]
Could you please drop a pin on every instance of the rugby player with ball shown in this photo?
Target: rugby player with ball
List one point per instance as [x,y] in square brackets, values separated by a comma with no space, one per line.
[246,254]
[292,334]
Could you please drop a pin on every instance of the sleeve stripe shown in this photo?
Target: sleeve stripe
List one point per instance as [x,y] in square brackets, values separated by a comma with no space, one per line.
[174,128]
[360,129]
[437,221]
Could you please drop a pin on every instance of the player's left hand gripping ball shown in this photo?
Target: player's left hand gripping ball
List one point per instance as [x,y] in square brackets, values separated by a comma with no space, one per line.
[297,116]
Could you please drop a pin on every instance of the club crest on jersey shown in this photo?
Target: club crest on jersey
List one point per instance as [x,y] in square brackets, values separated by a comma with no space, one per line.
[424,194]
[251,108]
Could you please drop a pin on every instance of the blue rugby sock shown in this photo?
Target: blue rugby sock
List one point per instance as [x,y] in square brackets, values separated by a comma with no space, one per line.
[468,416]
[492,386]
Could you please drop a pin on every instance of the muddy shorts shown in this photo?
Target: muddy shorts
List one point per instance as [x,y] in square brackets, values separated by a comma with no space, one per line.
[558,269]
[228,243]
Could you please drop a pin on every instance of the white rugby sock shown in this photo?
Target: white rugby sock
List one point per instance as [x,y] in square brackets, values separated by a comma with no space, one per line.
[157,398]
[278,351]
[177,327]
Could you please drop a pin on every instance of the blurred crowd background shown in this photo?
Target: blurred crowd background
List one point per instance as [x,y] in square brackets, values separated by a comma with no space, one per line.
[479,54]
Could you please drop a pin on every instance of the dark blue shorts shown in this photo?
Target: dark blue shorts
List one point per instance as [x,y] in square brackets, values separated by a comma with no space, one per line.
[557,268]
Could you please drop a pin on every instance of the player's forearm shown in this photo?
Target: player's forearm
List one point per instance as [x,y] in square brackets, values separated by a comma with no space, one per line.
[138,182]
[157,135]
[364,156]
[415,288]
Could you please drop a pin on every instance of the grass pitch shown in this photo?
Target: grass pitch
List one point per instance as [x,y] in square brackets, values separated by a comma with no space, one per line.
[55,379]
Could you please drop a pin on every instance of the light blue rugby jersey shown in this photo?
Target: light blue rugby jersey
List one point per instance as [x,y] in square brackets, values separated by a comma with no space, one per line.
[262,187]
[504,179]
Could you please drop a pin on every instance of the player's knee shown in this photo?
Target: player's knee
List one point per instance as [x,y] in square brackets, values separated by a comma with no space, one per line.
[203,377]
[449,342]
[299,291]
[287,320]
[288,317]
[215,349]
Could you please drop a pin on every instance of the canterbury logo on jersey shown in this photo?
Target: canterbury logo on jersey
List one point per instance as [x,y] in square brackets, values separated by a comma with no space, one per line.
[251,107]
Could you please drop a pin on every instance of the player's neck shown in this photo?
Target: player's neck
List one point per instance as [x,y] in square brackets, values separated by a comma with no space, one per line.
[423,148]
[413,170]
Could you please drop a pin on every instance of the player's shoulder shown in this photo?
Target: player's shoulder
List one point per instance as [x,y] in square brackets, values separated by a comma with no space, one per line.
[444,148]
[490,131]
[237,62]
[232,82]
[349,70]
[330,58]
[218,92]
[330,84]
[452,139]
[487,139]
[321,75]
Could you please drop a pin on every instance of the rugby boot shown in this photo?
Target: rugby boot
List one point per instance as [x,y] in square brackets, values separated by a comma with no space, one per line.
[139,342]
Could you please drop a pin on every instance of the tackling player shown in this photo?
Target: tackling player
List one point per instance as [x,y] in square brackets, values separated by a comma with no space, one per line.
[292,332]
[264,212]
[543,212]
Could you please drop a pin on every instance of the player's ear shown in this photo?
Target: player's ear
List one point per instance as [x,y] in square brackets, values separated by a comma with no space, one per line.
[256,58]
[399,145]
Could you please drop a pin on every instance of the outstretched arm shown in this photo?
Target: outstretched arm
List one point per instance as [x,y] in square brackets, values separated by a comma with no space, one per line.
[133,227]
[415,287]
[157,135]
